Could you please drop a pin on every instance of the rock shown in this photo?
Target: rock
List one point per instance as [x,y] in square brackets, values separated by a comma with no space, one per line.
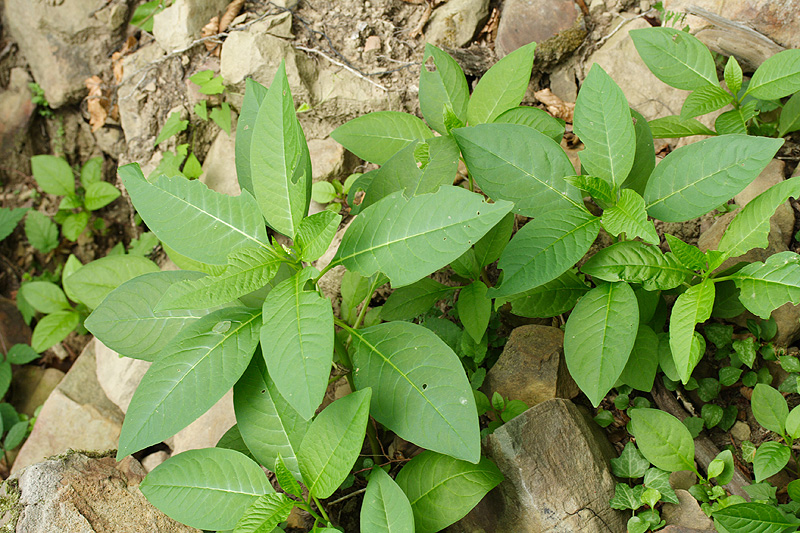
[118,376]
[535,452]
[687,514]
[13,329]
[454,24]
[206,431]
[32,386]
[77,415]
[771,175]
[16,109]
[154,459]
[219,167]
[180,24]
[787,319]
[681,529]
[562,83]
[682,479]
[327,159]
[80,493]
[531,367]
[740,431]
[372,43]
[540,21]
[66,43]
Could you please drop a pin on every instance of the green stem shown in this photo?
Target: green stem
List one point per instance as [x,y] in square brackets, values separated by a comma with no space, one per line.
[324,271]
[485,277]
[321,510]
[307,508]
[365,303]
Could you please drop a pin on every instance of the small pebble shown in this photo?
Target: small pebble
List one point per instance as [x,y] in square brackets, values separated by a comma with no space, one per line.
[373,42]
[368,4]
[740,431]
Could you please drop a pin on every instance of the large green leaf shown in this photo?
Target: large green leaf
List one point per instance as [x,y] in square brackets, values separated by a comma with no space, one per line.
[248,270]
[755,518]
[630,217]
[297,337]
[733,122]
[376,137]
[433,229]
[769,408]
[315,234]
[663,439]
[442,85]
[53,174]
[207,489]
[771,458]
[603,122]
[269,425]
[676,57]
[412,300]
[44,296]
[750,228]
[777,77]
[279,160]
[640,370]
[691,308]
[673,126]
[766,286]
[94,281]
[442,489]
[790,116]
[265,513]
[599,336]
[705,100]
[416,376]
[474,309]
[689,256]
[190,374]
[535,118]
[697,178]
[551,299]
[502,87]
[519,164]
[53,328]
[126,320]
[386,508]
[644,160]
[636,262]
[254,94]
[171,205]
[332,443]
[544,249]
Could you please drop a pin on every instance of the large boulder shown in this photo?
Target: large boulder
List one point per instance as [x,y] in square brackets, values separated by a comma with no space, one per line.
[543,22]
[454,23]
[180,24]
[118,376]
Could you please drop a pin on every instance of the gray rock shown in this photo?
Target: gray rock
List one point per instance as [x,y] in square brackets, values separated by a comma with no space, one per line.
[84,494]
[219,167]
[206,431]
[740,431]
[154,459]
[454,24]
[543,22]
[682,479]
[31,387]
[327,159]
[66,43]
[687,514]
[16,109]
[13,328]
[531,367]
[557,476]
[180,24]
[77,415]
[118,376]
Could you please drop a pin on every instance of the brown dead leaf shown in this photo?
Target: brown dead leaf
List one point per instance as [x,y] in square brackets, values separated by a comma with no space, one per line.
[116,57]
[490,28]
[555,105]
[97,102]
[212,28]
[231,12]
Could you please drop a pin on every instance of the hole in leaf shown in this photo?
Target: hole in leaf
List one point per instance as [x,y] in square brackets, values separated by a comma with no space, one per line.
[430,65]
[424,386]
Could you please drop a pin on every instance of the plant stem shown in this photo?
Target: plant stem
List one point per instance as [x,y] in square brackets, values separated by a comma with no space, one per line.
[485,277]
[321,510]
[324,271]
[365,303]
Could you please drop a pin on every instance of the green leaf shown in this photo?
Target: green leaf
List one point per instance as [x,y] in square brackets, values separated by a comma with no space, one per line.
[270,427]
[733,75]
[394,226]
[298,325]
[690,256]
[441,83]
[286,479]
[192,168]
[191,373]
[725,457]
[705,100]
[630,464]
[332,443]
[279,159]
[41,232]
[416,376]
[53,174]
[637,524]
[532,178]
[16,435]
[629,216]
[663,439]
[793,489]
[442,490]
[603,122]
[207,489]
[222,116]
[769,408]
[658,479]
[173,126]
[777,77]
[72,201]
[771,458]
[9,218]
[21,354]
[315,233]
[754,517]
[323,192]
[636,262]
[74,225]
[474,309]
[681,188]
[143,16]
[232,440]
[535,118]
[550,299]
[44,296]
[265,513]
[766,286]
[100,194]
[790,116]
[92,172]
[53,328]
[253,97]
[691,308]
[599,336]
[640,370]
[201,108]
[711,415]
[673,126]
[412,300]
[597,188]
[750,228]
[502,87]
[93,282]
[489,248]
[544,249]
[644,160]
[626,497]
[792,420]
[376,137]
[386,508]
[732,122]
[676,57]
[170,205]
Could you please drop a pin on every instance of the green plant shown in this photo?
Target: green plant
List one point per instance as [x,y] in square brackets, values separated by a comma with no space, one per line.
[38,99]
[333,194]
[143,15]
[9,218]
[680,60]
